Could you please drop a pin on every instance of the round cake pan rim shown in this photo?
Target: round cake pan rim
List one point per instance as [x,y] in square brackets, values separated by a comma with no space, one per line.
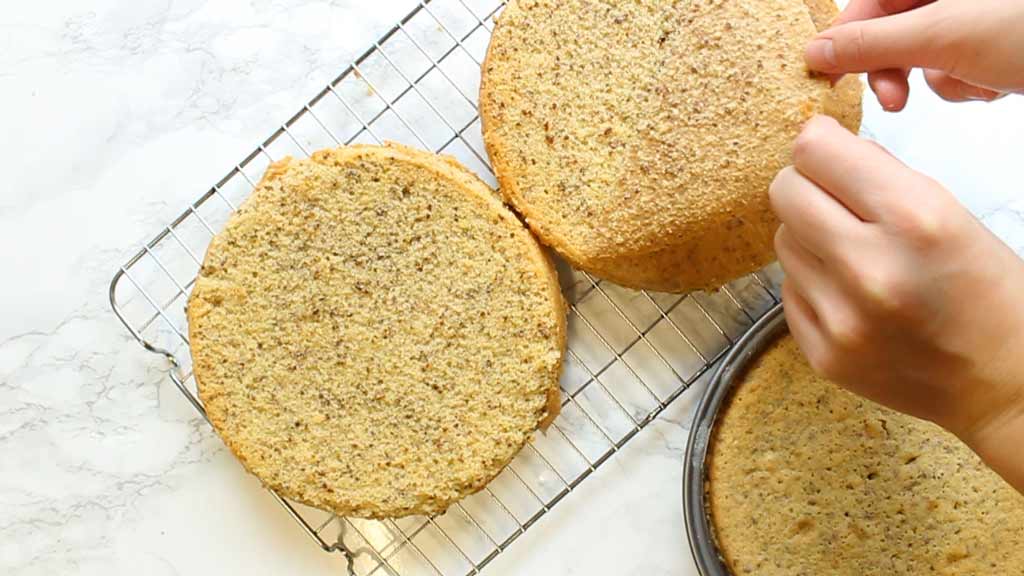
[698,529]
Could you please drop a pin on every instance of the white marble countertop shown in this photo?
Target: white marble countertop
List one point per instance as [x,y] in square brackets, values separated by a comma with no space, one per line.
[115,116]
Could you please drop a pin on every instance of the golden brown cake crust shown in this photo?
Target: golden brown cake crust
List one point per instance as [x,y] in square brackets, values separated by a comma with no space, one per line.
[823,12]
[807,478]
[639,138]
[374,333]
[844,102]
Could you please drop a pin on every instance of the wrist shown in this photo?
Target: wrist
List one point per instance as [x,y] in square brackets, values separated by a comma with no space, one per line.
[990,418]
[989,402]
[999,442]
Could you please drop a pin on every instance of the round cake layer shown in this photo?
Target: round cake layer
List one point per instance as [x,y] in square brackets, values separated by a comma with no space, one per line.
[639,138]
[375,333]
[807,478]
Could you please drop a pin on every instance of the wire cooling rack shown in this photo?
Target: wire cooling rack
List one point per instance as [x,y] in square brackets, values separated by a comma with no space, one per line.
[630,353]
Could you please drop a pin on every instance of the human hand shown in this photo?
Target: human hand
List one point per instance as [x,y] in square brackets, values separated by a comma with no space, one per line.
[898,293]
[969,49]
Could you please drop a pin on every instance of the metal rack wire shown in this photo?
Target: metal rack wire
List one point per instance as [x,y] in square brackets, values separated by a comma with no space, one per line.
[631,354]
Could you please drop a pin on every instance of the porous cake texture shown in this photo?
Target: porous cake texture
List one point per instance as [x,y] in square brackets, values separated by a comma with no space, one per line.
[805,478]
[374,333]
[638,138]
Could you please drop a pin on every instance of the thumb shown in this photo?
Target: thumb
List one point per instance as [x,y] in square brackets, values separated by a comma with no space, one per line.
[908,39]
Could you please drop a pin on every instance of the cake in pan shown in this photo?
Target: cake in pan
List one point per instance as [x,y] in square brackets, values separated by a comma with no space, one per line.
[806,478]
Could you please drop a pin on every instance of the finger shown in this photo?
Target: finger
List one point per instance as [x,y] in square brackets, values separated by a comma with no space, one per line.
[812,214]
[953,90]
[907,39]
[856,172]
[801,266]
[807,270]
[867,9]
[803,322]
[891,88]
[796,260]
[883,150]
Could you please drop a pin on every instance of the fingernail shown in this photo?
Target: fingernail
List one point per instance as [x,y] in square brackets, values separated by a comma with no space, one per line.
[821,55]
